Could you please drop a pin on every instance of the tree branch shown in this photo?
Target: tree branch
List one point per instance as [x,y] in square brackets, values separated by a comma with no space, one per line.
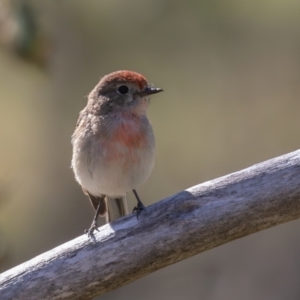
[190,222]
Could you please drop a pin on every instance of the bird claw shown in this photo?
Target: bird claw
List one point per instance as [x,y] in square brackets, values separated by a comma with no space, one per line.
[90,231]
[138,209]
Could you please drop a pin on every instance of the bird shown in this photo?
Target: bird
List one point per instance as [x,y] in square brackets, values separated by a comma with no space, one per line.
[113,144]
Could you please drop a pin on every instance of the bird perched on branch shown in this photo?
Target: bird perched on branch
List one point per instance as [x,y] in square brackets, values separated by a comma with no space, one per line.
[113,143]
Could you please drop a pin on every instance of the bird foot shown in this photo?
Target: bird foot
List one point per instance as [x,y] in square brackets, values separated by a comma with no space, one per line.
[138,209]
[90,231]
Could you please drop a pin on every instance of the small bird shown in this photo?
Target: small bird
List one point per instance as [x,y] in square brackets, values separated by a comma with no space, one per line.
[113,144]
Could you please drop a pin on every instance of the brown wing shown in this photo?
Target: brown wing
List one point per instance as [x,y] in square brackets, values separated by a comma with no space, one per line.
[81,116]
[81,123]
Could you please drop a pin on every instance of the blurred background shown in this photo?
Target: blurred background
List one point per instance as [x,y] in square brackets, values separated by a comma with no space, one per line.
[231,75]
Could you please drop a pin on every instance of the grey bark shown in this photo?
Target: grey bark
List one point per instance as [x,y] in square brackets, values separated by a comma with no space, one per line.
[180,226]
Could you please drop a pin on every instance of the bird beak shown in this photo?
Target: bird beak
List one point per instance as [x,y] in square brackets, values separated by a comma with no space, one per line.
[149,91]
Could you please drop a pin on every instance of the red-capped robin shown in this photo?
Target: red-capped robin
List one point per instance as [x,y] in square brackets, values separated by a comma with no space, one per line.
[113,143]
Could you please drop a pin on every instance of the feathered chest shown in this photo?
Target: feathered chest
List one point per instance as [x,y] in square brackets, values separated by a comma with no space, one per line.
[129,133]
[128,136]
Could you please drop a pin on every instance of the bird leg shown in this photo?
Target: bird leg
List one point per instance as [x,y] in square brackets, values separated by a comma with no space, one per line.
[140,206]
[94,226]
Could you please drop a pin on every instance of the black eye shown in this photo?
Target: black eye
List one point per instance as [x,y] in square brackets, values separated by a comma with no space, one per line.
[123,89]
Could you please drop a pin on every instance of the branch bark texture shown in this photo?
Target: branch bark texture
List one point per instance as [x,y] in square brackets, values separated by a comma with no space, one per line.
[190,222]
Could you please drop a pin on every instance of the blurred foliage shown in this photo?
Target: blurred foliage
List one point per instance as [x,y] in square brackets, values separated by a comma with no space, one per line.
[230,71]
[20,32]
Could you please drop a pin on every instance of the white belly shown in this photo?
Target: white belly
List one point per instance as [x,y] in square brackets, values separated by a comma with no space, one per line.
[100,172]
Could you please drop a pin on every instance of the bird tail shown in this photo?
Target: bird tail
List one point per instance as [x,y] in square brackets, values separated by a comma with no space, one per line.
[116,208]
